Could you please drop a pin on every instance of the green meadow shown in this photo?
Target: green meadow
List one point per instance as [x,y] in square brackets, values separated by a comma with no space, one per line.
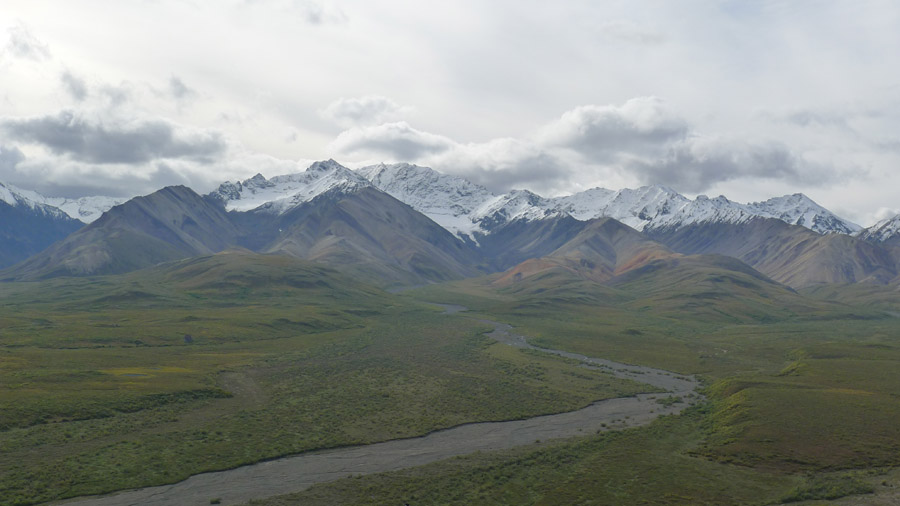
[148,378]
[143,379]
[802,401]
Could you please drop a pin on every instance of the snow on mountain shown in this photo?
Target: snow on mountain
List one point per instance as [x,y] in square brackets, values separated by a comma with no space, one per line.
[585,205]
[509,207]
[282,193]
[465,208]
[882,231]
[462,207]
[449,201]
[798,209]
[650,207]
[636,208]
[16,197]
[468,210]
[86,209]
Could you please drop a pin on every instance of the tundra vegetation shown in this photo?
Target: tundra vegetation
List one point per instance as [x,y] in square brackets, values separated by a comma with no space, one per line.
[100,388]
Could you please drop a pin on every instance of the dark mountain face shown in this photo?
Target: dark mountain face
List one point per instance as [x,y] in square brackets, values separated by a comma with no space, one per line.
[788,254]
[367,232]
[371,233]
[601,249]
[364,231]
[170,224]
[520,240]
[25,231]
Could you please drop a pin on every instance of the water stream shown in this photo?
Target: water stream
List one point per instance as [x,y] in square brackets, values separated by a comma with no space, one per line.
[298,472]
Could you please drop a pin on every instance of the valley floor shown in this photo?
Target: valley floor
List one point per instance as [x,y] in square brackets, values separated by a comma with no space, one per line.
[231,361]
[294,474]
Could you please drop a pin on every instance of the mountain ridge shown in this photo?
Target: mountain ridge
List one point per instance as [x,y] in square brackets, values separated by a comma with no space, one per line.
[408,224]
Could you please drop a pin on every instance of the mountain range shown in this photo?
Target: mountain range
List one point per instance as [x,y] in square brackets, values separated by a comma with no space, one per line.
[401,225]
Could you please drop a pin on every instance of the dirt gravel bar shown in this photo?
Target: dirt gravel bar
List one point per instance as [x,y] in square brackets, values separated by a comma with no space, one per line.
[293,474]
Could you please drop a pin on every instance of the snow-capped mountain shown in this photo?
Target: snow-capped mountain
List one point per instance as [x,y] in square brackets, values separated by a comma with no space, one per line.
[28,225]
[16,197]
[639,208]
[509,207]
[886,231]
[798,209]
[654,207]
[282,193]
[464,208]
[449,201]
[467,209]
[86,209]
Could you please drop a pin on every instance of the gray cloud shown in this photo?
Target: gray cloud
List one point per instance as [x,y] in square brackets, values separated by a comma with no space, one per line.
[180,91]
[363,111]
[74,85]
[56,176]
[602,133]
[639,140]
[498,164]
[23,44]
[74,180]
[504,164]
[888,144]
[808,117]
[95,142]
[116,96]
[398,141]
[698,164]
[9,158]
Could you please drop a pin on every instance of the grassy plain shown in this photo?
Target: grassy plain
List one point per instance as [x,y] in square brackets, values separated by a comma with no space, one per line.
[802,395]
[102,390]
[143,379]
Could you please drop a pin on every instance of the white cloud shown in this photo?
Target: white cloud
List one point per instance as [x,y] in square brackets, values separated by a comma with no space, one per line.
[641,141]
[884,213]
[23,44]
[137,141]
[603,132]
[629,32]
[699,163]
[308,11]
[491,83]
[364,111]
[398,141]
[503,164]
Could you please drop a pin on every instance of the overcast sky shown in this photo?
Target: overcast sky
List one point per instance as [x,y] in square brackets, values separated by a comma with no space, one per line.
[750,99]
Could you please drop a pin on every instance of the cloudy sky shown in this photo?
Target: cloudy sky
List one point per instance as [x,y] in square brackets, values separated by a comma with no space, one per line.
[749,99]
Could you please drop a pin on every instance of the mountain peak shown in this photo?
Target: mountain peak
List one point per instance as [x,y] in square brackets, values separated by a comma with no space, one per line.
[886,231]
[257,179]
[325,166]
[448,200]
[282,193]
[468,210]
[798,209]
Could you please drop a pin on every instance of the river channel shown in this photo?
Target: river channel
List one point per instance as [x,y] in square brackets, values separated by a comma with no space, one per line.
[298,472]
